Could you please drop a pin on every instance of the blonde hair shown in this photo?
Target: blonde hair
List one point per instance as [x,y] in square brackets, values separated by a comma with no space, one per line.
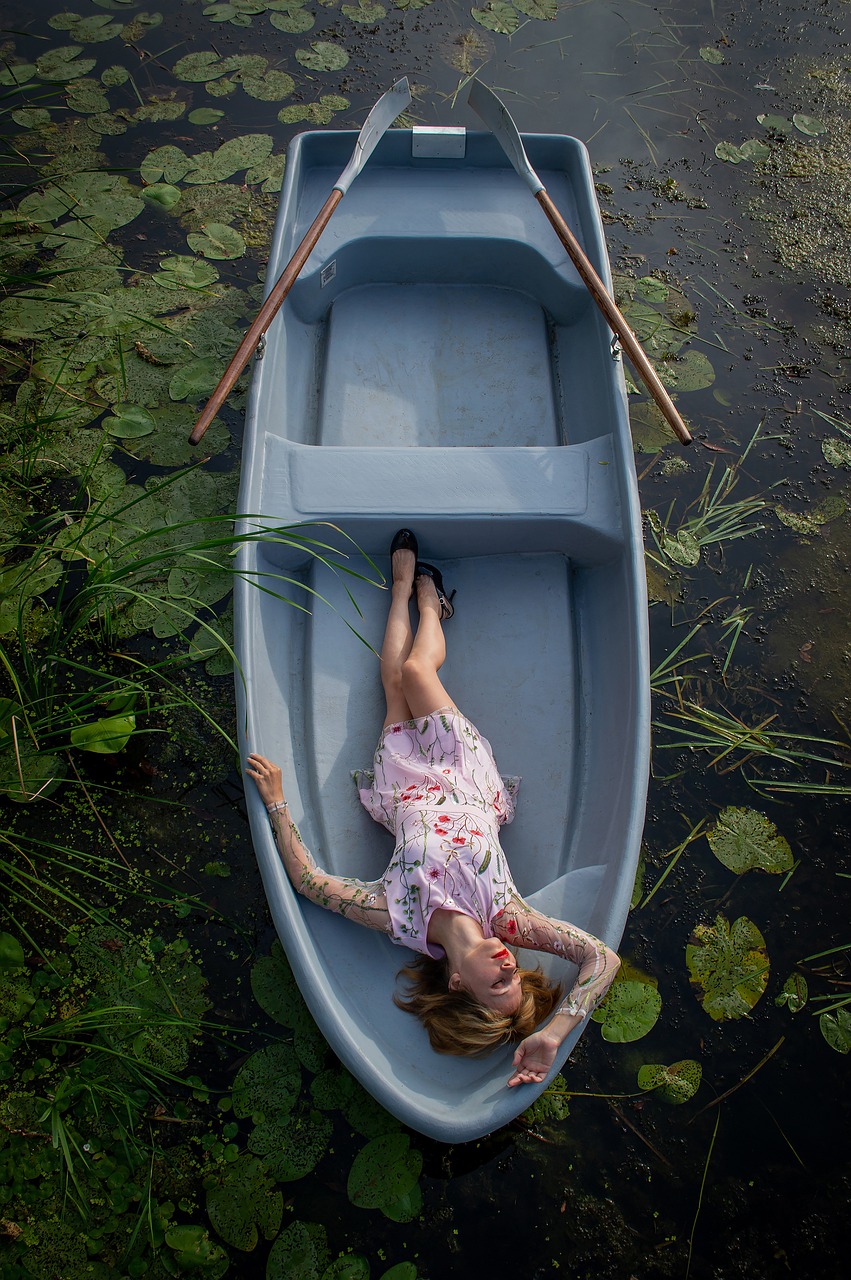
[458,1023]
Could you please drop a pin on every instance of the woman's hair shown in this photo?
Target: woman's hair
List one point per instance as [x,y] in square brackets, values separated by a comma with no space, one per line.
[457,1022]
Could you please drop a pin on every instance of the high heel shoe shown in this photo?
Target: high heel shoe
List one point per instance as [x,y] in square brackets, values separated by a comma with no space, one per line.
[424,570]
[404,540]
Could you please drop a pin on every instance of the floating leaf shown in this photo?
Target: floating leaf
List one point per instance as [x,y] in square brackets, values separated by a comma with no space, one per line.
[204,115]
[291,1146]
[271,87]
[794,993]
[710,54]
[546,10]
[182,272]
[836,1029]
[407,1207]
[323,56]
[299,1253]
[217,241]
[745,840]
[652,289]
[812,521]
[195,379]
[11,953]
[13,74]
[836,452]
[64,64]
[402,1270]
[651,431]
[629,1011]
[728,966]
[728,151]
[41,773]
[780,124]
[90,30]
[351,1266]
[199,67]
[294,20]
[497,16]
[676,1084]
[242,1202]
[129,421]
[169,164]
[753,149]
[31,117]
[364,11]
[383,1171]
[691,372]
[105,737]
[195,1251]
[112,77]
[162,194]
[808,124]
[269,1082]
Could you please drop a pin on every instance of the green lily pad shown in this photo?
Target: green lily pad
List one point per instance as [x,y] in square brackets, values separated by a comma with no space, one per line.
[180,271]
[364,11]
[217,241]
[205,115]
[195,379]
[271,87]
[350,1266]
[650,430]
[112,77]
[407,1207]
[544,10]
[64,65]
[779,124]
[91,30]
[323,56]
[383,1171]
[728,966]
[42,773]
[336,1089]
[729,152]
[497,16]
[710,54]
[199,68]
[691,372]
[195,1251]
[836,452]
[629,1011]
[106,737]
[811,521]
[17,73]
[11,953]
[294,20]
[291,1146]
[745,840]
[794,993]
[268,1083]
[836,1029]
[243,1203]
[167,164]
[300,1253]
[808,124]
[402,1270]
[652,290]
[31,117]
[676,1084]
[129,421]
[162,194]
[753,149]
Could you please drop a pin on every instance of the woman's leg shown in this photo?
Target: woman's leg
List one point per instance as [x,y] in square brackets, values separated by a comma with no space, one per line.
[421,684]
[398,636]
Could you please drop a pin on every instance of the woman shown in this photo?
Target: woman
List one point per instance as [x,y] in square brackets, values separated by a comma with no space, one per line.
[447,893]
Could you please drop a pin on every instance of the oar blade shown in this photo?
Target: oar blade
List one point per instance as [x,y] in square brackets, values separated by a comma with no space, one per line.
[487,105]
[388,107]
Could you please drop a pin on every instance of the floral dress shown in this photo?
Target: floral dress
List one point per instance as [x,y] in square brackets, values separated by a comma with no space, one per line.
[435,786]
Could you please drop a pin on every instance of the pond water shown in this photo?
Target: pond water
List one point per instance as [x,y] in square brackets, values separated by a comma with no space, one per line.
[720,143]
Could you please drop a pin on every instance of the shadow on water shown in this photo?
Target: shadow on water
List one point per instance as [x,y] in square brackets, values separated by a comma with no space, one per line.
[720,146]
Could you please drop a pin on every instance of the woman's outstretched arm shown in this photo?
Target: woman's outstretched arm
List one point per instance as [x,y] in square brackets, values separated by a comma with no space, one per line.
[362,901]
[522,926]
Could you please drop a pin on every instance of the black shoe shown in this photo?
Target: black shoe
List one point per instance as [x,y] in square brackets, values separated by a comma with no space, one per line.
[424,570]
[404,540]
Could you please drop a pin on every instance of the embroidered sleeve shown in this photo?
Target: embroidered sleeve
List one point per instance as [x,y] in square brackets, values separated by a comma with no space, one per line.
[363,901]
[522,926]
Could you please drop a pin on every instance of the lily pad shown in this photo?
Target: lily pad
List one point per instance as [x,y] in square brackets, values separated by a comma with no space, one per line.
[243,1203]
[41,773]
[300,1253]
[162,194]
[728,966]
[291,1146]
[64,65]
[779,124]
[294,20]
[323,56]
[217,241]
[350,1266]
[836,452]
[129,421]
[11,953]
[729,152]
[180,271]
[167,164]
[195,379]
[205,115]
[364,11]
[629,1011]
[745,840]
[650,429]
[271,87]
[545,10]
[808,124]
[691,372]
[753,149]
[809,522]
[199,67]
[710,54]
[836,1029]
[497,16]
[268,1083]
[383,1171]
[794,993]
[676,1084]
[17,73]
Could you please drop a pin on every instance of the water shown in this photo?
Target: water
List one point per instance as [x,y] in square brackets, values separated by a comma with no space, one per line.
[614,1190]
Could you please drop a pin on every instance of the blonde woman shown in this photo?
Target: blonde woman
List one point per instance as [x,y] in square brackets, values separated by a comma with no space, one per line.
[447,893]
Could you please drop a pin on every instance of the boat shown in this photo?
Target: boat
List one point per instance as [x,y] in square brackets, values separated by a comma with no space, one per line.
[440,364]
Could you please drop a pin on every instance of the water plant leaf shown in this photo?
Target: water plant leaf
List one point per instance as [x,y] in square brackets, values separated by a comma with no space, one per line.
[753,149]
[728,965]
[836,452]
[351,1266]
[364,11]
[811,521]
[650,430]
[407,1207]
[676,1084]
[217,241]
[242,1202]
[41,773]
[745,840]
[780,124]
[497,16]
[729,152]
[64,64]
[90,30]
[323,56]
[195,1251]
[106,736]
[300,1253]
[17,73]
[162,194]
[291,1146]
[195,379]
[402,1270]
[383,1171]
[652,290]
[271,87]
[808,124]
[114,76]
[710,54]
[545,10]
[11,953]
[294,19]
[180,271]
[268,1083]
[691,372]
[836,1029]
[205,115]
[336,1089]
[794,993]
[629,1011]
[199,67]
[167,164]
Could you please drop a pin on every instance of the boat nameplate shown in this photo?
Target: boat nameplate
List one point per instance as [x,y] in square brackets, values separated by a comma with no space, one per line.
[448,143]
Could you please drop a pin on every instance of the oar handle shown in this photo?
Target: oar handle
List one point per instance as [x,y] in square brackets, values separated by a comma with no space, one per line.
[265,316]
[615,320]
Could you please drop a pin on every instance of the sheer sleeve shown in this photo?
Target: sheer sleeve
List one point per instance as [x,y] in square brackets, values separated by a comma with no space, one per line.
[522,926]
[363,901]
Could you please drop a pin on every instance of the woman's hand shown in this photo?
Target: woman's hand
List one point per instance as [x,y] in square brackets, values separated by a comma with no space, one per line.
[534,1057]
[268,778]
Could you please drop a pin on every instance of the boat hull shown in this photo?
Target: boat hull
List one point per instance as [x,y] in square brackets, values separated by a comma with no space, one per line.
[439,364]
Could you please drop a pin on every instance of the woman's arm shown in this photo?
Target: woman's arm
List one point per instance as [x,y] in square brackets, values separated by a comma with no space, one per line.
[522,926]
[362,901]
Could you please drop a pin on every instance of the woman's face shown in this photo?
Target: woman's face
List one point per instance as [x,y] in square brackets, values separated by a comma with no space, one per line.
[489,972]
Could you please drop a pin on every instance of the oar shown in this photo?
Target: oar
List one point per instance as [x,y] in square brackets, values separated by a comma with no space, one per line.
[387,108]
[487,105]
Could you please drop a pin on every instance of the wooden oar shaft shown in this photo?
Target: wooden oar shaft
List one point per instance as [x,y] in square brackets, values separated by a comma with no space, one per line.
[265,316]
[615,320]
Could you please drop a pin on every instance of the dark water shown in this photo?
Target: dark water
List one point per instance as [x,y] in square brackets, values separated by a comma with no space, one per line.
[614,1190]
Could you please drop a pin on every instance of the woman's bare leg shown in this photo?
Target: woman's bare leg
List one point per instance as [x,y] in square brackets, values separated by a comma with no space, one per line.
[398,636]
[421,684]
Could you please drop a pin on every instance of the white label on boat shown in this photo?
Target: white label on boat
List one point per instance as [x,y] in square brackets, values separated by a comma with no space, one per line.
[439,143]
[326,275]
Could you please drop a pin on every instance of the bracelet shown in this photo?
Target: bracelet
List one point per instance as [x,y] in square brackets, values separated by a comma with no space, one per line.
[277,806]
